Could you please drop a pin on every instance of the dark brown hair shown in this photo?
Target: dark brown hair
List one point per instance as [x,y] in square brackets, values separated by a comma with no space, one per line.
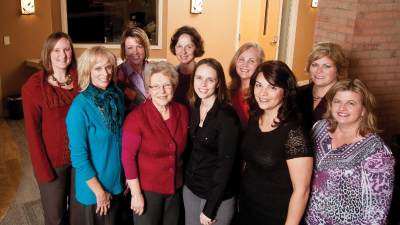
[278,74]
[194,35]
[48,46]
[221,91]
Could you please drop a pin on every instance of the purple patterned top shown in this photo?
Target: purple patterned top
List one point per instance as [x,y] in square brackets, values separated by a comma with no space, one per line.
[352,184]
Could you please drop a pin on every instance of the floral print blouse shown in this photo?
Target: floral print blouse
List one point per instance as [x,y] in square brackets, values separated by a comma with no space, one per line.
[352,184]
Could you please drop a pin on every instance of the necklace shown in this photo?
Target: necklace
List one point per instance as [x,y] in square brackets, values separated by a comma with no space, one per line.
[203,114]
[68,80]
[316,98]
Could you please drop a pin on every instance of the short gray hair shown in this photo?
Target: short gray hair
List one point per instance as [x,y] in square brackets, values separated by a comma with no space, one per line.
[165,68]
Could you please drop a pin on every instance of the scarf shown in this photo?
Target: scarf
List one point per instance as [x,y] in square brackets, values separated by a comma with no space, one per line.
[110,104]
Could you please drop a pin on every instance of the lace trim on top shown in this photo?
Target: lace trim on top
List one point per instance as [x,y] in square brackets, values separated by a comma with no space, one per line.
[297,143]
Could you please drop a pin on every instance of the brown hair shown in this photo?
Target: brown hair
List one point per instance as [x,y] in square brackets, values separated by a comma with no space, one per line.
[194,35]
[88,59]
[235,79]
[48,46]
[221,90]
[368,121]
[331,50]
[141,37]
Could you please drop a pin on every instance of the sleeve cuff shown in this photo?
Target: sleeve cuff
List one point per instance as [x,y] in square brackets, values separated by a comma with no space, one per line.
[87,174]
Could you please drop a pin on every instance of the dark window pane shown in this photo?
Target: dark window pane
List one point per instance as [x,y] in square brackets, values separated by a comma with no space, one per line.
[102,21]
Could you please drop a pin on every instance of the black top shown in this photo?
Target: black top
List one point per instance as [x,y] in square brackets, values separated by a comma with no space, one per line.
[213,148]
[182,88]
[266,186]
[306,106]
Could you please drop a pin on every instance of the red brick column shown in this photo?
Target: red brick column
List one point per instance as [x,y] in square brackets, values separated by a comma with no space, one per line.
[336,21]
[369,31]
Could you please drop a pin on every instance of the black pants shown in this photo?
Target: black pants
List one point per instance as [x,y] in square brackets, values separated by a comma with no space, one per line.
[124,214]
[88,216]
[58,205]
[159,209]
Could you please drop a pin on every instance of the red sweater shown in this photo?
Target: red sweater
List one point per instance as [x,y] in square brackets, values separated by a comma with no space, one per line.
[45,109]
[241,107]
[152,147]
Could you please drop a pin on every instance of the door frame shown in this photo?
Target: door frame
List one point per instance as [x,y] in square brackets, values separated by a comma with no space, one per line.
[291,26]
[285,48]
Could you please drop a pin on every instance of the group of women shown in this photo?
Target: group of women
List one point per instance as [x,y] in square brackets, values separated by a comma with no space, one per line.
[158,135]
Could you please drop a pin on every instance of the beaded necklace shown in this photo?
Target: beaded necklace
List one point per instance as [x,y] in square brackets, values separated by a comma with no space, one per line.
[68,80]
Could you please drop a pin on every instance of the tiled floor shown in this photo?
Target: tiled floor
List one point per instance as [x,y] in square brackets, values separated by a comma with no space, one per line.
[10,167]
[17,183]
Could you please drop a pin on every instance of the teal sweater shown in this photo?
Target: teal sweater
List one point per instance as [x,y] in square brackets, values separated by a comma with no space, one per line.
[95,150]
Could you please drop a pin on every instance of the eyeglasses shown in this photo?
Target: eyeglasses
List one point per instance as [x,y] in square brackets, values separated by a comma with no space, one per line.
[158,87]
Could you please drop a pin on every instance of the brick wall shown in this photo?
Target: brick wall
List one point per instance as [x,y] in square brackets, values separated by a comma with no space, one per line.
[369,31]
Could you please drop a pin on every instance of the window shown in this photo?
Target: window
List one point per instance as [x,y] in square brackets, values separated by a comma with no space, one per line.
[91,22]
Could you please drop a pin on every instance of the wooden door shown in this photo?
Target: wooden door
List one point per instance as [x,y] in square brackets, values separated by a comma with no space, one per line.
[260,22]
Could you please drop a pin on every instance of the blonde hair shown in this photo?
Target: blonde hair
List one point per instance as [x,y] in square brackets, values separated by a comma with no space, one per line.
[368,122]
[88,59]
[166,68]
[331,50]
[141,37]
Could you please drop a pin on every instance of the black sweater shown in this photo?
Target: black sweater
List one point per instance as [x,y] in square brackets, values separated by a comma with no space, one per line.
[213,149]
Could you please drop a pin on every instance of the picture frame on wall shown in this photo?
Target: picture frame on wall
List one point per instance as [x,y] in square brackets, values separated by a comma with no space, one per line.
[196,6]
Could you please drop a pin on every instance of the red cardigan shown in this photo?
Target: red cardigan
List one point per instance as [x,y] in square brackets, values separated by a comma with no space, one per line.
[151,150]
[45,109]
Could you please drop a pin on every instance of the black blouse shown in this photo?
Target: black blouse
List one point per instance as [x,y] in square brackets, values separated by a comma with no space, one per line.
[306,106]
[266,186]
[182,89]
[213,149]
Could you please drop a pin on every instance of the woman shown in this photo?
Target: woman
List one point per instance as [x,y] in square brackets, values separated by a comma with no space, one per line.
[278,159]
[154,138]
[325,64]
[186,44]
[135,47]
[94,125]
[47,96]
[354,169]
[208,193]
[243,65]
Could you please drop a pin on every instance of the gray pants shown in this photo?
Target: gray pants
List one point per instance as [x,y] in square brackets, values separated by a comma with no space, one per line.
[58,205]
[194,206]
[159,209]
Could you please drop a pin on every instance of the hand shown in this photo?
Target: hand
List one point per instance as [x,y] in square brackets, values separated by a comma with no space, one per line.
[137,204]
[204,220]
[103,200]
